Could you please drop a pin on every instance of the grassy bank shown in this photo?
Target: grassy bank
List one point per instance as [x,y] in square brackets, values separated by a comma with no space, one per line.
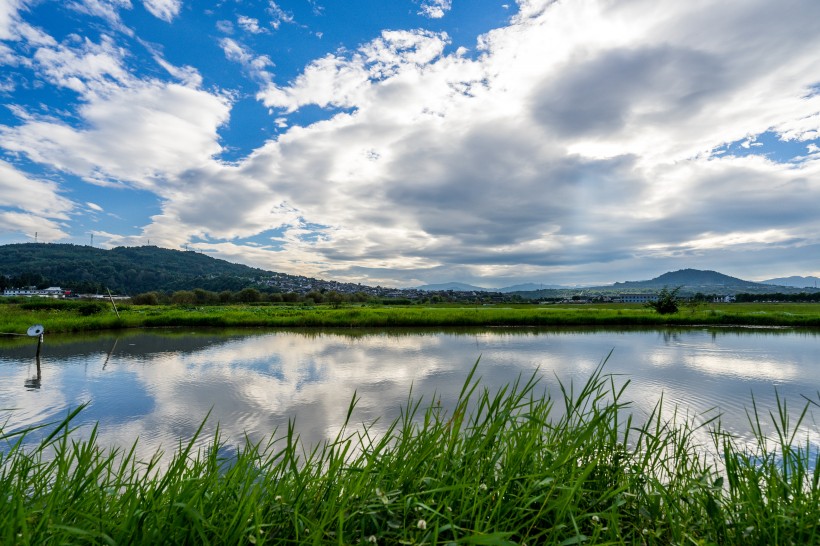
[73,316]
[506,467]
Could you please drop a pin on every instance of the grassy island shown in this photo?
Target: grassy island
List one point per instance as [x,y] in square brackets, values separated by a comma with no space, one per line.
[73,316]
[507,467]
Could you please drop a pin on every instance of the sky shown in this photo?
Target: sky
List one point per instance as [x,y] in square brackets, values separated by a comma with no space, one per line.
[407,142]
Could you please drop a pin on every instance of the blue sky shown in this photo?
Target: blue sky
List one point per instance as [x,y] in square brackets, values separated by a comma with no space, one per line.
[419,141]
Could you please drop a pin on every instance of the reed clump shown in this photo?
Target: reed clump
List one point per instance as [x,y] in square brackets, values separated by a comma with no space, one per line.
[513,466]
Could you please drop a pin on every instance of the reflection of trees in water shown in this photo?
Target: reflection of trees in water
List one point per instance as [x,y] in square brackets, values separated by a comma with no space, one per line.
[670,336]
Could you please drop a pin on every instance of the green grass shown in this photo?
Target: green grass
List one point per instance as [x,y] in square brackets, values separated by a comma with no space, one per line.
[512,466]
[16,318]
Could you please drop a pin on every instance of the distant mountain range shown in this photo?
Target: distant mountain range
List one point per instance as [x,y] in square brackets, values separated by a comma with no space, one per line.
[796,282]
[462,287]
[132,270]
[691,282]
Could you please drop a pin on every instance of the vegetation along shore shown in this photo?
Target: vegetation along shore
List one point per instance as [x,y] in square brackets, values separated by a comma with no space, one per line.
[73,316]
[515,466]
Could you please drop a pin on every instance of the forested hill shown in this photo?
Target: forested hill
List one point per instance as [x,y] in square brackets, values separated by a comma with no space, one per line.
[124,270]
[706,282]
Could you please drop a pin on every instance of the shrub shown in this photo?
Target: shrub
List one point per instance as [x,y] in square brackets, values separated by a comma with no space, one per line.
[183,297]
[666,302]
[148,298]
[90,308]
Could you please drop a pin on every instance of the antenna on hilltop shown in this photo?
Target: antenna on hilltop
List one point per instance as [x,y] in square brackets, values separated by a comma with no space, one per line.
[92,239]
[35,236]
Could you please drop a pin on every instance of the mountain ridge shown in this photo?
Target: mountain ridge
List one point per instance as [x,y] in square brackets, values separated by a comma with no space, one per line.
[794,281]
[132,270]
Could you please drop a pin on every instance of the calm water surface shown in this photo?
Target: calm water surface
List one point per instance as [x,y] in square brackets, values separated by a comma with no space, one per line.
[159,385]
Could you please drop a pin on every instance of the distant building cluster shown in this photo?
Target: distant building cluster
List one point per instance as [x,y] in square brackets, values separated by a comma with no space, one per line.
[51,292]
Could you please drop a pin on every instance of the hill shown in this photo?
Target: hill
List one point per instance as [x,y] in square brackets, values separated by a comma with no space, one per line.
[455,286]
[696,280]
[124,270]
[691,281]
[795,281]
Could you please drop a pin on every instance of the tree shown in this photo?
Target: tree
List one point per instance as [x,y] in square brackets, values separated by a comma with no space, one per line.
[334,298]
[249,295]
[667,301]
[183,297]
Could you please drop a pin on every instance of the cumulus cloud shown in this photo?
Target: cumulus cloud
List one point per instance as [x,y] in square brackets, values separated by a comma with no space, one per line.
[344,81]
[576,117]
[141,135]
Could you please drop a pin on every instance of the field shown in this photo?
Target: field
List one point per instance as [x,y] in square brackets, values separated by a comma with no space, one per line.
[67,316]
[507,467]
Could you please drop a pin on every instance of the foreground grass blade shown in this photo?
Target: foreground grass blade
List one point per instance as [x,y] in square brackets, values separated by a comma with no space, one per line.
[512,466]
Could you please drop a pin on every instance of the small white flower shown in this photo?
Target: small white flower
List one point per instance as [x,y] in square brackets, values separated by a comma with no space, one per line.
[596,519]
[421,524]
[278,498]
[371,539]
[483,487]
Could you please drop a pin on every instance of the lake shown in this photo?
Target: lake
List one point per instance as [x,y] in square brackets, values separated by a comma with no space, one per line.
[158,385]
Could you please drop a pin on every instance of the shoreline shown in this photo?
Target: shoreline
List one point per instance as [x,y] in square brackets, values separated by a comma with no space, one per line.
[72,317]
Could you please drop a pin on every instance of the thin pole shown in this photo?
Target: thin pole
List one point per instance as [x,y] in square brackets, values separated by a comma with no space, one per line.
[112,302]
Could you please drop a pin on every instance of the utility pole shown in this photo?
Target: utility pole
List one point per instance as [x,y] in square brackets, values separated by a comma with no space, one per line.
[92,239]
[35,236]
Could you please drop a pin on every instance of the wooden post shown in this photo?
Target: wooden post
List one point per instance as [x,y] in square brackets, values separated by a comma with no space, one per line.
[39,345]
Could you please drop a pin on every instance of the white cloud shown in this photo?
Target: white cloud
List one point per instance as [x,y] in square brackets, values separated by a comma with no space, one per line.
[163,9]
[225,27]
[28,194]
[345,81]
[94,206]
[142,135]
[435,9]
[9,18]
[256,65]
[278,15]
[29,205]
[249,24]
[83,66]
[104,9]
[187,74]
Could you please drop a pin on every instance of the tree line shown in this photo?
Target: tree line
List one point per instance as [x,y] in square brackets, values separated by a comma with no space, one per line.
[200,296]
